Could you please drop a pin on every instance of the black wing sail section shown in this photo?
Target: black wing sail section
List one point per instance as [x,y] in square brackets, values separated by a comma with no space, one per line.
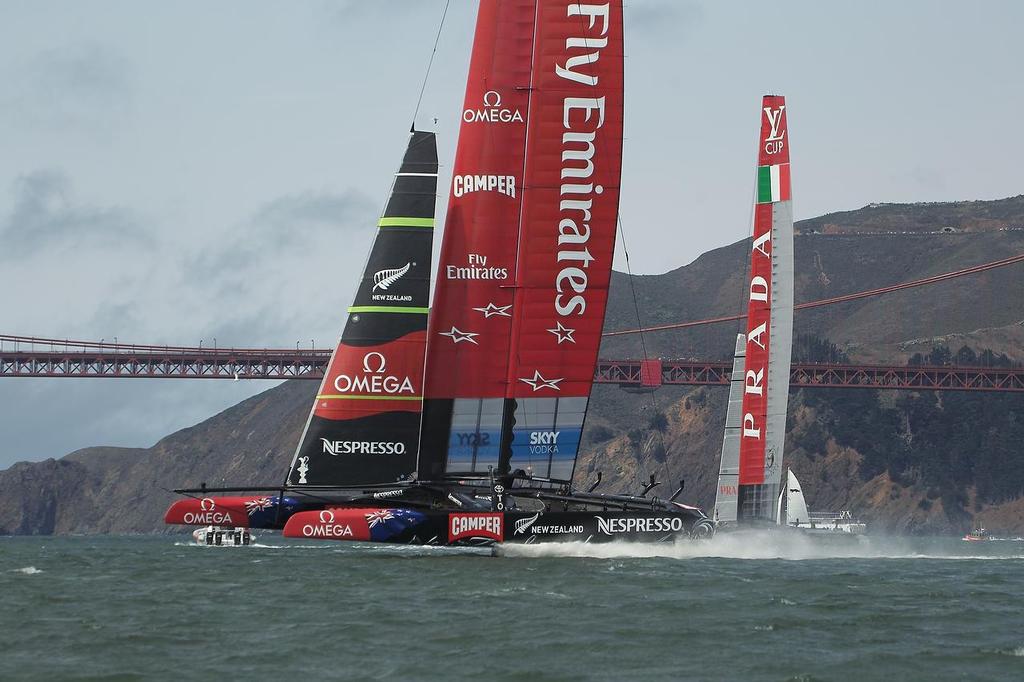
[364,425]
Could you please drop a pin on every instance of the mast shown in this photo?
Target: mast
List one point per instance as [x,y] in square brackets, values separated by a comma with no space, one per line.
[364,426]
[526,257]
[769,322]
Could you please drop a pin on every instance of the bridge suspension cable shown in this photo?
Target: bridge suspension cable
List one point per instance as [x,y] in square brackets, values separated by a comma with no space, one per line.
[264,352]
[837,299]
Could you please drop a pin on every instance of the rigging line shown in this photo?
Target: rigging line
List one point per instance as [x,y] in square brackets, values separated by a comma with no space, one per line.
[632,287]
[934,279]
[643,344]
[430,62]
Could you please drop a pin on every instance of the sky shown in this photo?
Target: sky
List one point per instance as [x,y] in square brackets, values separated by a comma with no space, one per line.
[177,172]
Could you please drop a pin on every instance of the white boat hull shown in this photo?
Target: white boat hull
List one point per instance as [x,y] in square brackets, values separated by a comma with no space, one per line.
[222,537]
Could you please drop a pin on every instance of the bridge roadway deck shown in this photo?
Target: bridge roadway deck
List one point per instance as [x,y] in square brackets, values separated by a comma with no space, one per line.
[150,363]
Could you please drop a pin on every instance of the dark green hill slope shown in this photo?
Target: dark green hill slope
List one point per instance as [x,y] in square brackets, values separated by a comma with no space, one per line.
[985,309]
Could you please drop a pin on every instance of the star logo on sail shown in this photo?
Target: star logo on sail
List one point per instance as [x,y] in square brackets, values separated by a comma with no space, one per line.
[457,336]
[562,333]
[538,382]
[490,310]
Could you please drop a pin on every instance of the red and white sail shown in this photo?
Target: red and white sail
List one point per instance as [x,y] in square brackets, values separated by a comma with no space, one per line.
[567,234]
[769,332]
[526,258]
[471,316]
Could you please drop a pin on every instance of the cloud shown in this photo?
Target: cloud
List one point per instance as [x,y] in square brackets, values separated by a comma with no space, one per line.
[296,219]
[679,17]
[346,12]
[87,86]
[302,224]
[282,275]
[285,273]
[931,180]
[277,270]
[45,217]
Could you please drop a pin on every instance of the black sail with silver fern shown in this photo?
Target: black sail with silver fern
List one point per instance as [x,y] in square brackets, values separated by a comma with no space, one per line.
[364,425]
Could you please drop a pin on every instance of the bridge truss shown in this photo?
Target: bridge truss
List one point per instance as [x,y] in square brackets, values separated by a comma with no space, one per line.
[25,356]
[150,362]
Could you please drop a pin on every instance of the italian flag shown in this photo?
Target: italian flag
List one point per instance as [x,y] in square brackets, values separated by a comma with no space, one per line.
[773,183]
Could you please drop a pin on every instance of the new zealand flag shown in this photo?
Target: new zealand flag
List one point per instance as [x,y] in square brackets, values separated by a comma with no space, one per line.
[387,524]
[263,511]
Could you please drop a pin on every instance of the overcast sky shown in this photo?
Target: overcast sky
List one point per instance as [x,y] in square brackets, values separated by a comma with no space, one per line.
[171,172]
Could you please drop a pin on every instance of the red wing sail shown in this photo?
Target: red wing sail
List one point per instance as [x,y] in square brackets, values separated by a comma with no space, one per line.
[471,318]
[769,321]
[364,426]
[567,236]
[523,280]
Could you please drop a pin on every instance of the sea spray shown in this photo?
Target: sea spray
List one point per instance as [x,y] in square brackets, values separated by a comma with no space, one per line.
[27,570]
[757,545]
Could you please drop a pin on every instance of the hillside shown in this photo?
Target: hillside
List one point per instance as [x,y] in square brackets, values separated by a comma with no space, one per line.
[961,216]
[920,462]
[905,461]
[978,310]
[125,490]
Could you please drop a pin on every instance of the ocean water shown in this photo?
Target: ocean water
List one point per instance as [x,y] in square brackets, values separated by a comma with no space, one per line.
[160,608]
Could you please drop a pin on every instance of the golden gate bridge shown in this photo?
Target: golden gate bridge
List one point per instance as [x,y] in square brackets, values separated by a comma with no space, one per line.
[29,356]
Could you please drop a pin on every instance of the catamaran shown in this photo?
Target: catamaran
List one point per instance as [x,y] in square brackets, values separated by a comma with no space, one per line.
[750,494]
[463,427]
[750,471]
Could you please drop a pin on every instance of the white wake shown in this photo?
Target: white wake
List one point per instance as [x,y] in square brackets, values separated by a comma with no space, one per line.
[763,545]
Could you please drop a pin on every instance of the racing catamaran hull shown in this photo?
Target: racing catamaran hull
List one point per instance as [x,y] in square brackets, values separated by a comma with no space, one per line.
[462,528]
[424,514]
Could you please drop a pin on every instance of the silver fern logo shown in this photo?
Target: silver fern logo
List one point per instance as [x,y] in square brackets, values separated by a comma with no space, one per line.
[382,279]
[522,525]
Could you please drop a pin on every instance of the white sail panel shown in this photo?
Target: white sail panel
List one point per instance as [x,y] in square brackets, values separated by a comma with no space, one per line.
[780,352]
[729,467]
[796,506]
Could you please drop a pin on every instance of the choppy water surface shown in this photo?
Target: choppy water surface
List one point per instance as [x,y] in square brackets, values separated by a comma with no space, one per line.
[127,608]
